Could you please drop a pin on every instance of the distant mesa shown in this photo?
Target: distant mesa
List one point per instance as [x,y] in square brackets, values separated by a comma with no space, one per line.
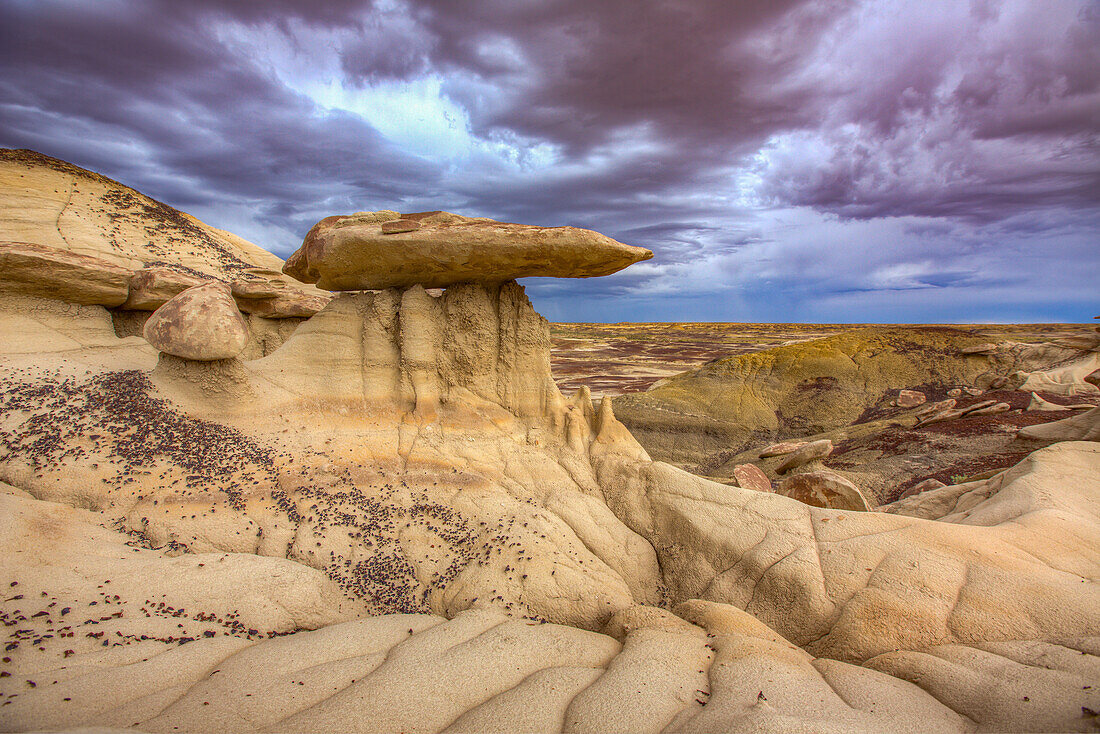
[378,250]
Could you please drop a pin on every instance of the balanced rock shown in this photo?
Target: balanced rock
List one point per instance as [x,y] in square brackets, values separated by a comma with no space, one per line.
[377,250]
[201,324]
[824,489]
[45,272]
[809,452]
[911,398]
[750,476]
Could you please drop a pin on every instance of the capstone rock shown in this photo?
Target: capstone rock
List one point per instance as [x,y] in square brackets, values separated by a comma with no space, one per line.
[371,251]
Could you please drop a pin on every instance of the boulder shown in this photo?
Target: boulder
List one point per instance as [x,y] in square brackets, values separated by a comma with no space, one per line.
[201,324]
[824,489]
[45,272]
[750,476]
[805,454]
[911,398]
[152,287]
[380,250]
[779,449]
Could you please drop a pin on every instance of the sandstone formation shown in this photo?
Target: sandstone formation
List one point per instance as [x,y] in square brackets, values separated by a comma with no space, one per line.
[32,270]
[438,249]
[824,489]
[797,390]
[202,323]
[1040,403]
[393,520]
[73,235]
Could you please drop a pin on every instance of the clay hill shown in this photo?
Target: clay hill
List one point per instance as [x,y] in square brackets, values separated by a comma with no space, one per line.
[390,519]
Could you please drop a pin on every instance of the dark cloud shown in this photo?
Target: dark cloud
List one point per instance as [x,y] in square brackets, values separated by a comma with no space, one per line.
[786,150]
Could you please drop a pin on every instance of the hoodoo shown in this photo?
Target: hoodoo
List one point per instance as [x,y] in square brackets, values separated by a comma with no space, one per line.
[374,250]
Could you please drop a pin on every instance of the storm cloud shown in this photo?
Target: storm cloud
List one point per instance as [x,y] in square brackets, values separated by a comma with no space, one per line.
[785,159]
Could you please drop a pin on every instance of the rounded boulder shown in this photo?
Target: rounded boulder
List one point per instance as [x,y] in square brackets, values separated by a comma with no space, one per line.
[202,323]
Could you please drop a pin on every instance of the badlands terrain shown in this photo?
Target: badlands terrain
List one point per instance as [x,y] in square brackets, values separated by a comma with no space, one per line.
[347,493]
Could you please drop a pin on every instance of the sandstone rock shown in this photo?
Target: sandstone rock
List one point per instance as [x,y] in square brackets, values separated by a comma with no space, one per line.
[444,249]
[250,290]
[955,392]
[924,486]
[938,407]
[911,398]
[152,287]
[805,454]
[973,391]
[993,409]
[750,476]
[943,415]
[201,324]
[987,348]
[397,226]
[977,406]
[779,449]
[44,272]
[824,489]
[288,305]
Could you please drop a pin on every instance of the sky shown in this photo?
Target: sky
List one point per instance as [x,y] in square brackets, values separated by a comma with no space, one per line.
[786,160]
